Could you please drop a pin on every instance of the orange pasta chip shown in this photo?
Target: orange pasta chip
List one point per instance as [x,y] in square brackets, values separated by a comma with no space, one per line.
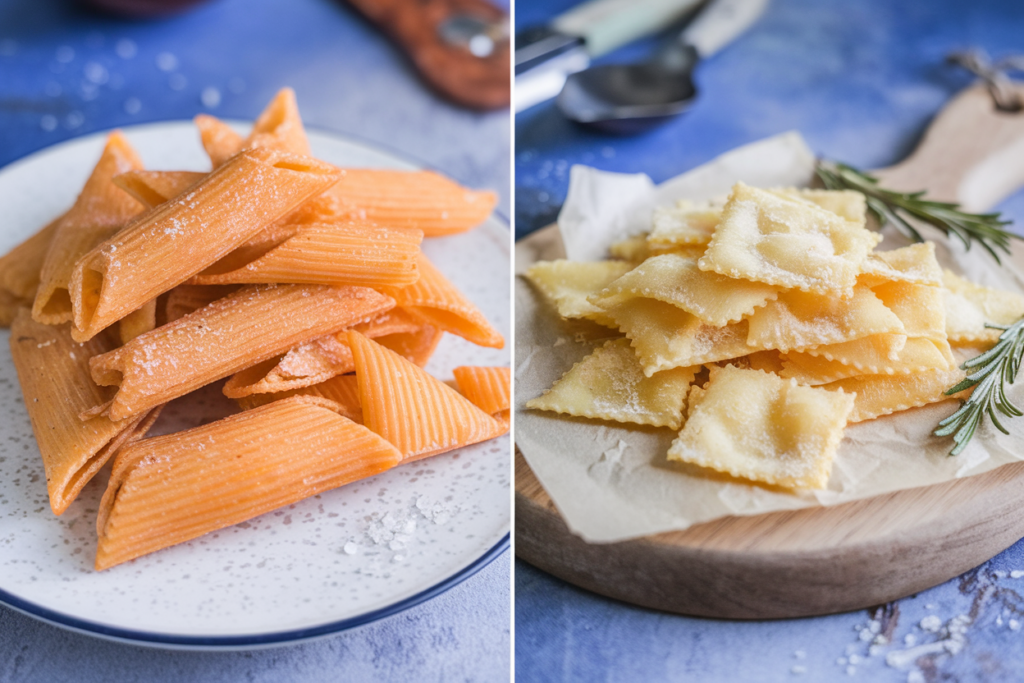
[100,210]
[185,299]
[53,371]
[180,238]
[280,126]
[152,188]
[489,389]
[343,390]
[252,325]
[438,303]
[316,360]
[416,347]
[220,141]
[19,268]
[170,489]
[341,253]
[419,414]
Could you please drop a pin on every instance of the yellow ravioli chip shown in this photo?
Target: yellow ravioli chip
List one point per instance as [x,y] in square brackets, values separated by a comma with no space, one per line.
[847,204]
[878,354]
[674,279]
[879,395]
[970,306]
[916,264]
[756,426]
[799,320]
[568,283]
[665,336]
[685,223]
[633,249]
[609,384]
[921,308]
[767,237]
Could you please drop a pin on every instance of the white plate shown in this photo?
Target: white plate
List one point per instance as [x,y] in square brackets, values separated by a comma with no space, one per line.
[288,575]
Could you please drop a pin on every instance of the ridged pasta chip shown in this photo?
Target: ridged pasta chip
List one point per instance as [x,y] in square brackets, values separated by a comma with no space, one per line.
[878,395]
[970,306]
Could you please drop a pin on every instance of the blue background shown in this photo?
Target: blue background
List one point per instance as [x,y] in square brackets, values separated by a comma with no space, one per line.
[860,81]
[65,72]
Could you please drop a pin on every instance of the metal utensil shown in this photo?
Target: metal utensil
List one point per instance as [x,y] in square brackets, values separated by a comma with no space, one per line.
[546,55]
[632,98]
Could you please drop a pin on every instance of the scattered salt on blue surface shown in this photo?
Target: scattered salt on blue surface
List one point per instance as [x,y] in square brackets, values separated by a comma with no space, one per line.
[65,54]
[210,97]
[166,61]
[48,123]
[95,72]
[132,105]
[53,89]
[236,85]
[126,48]
[177,82]
[74,120]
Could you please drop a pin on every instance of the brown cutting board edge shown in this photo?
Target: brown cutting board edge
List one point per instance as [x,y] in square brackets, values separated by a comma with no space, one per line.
[817,560]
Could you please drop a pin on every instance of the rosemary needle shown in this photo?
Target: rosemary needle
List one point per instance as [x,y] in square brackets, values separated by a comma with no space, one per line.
[993,370]
[899,207]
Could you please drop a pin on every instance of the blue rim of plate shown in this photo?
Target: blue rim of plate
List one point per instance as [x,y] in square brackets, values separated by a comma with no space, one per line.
[294,636]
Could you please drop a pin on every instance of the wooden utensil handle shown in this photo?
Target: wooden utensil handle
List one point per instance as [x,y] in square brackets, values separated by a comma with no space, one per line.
[452,70]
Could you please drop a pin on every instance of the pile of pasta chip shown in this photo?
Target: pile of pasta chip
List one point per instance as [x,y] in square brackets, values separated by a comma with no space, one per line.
[760,325]
[301,283]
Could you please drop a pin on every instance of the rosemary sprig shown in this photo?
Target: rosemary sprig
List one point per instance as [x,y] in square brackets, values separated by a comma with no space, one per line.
[994,369]
[896,207]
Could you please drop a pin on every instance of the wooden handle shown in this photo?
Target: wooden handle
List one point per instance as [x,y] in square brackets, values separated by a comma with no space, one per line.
[972,153]
[452,70]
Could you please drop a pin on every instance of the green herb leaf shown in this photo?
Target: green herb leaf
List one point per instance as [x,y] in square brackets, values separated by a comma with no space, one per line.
[992,372]
[902,208]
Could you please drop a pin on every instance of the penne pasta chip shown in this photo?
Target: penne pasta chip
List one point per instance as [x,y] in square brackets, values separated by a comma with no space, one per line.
[20,267]
[279,126]
[170,489]
[343,390]
[153,188]
[489,389]
[419,414]
[340,253]
[138,322]
[53,371]
[314,361]
[100,211]
[180,238]
[185,299]
[423,200]
[439,304]
[248,327]
[220,140]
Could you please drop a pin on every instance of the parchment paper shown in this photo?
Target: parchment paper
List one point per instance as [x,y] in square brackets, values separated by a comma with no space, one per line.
[613,483]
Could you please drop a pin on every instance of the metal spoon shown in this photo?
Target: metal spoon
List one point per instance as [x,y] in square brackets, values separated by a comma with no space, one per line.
[632,98]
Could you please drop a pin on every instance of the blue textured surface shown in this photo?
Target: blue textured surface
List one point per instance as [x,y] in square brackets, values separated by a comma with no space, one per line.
[65,72]
[860,81]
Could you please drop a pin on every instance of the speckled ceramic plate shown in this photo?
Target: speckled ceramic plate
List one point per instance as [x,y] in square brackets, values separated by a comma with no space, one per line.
[329,563]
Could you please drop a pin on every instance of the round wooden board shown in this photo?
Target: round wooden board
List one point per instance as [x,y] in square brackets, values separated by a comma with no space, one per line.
[828,559]
[786,564]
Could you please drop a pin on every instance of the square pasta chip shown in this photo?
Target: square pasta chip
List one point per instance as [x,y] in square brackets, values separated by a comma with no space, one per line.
[800,320]
[970,306]
[878,395]
[846,204]
[609,384]
[756,426]
[668,337]
[674,279]
[767,237]
[685,223]
[916,264]
[568,283]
